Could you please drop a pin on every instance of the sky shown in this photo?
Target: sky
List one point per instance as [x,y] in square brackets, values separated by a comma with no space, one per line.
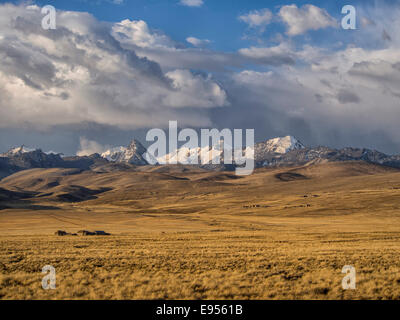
[113,69]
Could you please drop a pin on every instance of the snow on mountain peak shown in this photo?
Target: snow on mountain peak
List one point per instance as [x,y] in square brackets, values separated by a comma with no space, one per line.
[23,149]
[279,145]
[114,154]
[284,144]
[133,154]
[20,150]
[17,151]
[196,155]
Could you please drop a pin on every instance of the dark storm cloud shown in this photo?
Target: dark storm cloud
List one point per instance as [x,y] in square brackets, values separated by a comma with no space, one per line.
[110,83]
[81,73]
[345,96]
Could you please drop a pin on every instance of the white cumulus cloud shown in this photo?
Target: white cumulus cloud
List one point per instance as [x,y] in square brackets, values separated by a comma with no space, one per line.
[81,73]
[139,33]
[257,18]
[277,55]
[88,147]
[308,17]
[197,42]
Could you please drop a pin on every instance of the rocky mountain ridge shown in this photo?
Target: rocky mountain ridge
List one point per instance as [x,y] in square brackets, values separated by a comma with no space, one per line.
[283,151]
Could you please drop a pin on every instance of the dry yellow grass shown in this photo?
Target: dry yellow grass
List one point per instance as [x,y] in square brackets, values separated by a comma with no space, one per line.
[194,235]
[242,265]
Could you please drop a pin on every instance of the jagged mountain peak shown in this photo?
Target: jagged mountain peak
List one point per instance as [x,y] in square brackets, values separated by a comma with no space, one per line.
[18,151]
[281,151]
[280,145]
[133,154]
[136,146]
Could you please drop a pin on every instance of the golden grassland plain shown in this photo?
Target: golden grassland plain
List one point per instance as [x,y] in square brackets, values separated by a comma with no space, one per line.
[180,233]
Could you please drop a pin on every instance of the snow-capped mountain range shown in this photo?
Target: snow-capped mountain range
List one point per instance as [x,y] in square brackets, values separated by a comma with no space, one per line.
[278,145]
[282,151]
[133,154]
[186,155]
[21,150]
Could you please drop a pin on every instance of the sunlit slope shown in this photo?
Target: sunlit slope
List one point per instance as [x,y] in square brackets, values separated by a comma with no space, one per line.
[181,199]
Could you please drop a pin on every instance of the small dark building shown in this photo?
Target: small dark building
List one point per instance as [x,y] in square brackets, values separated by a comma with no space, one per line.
[85,233]
[101,233]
